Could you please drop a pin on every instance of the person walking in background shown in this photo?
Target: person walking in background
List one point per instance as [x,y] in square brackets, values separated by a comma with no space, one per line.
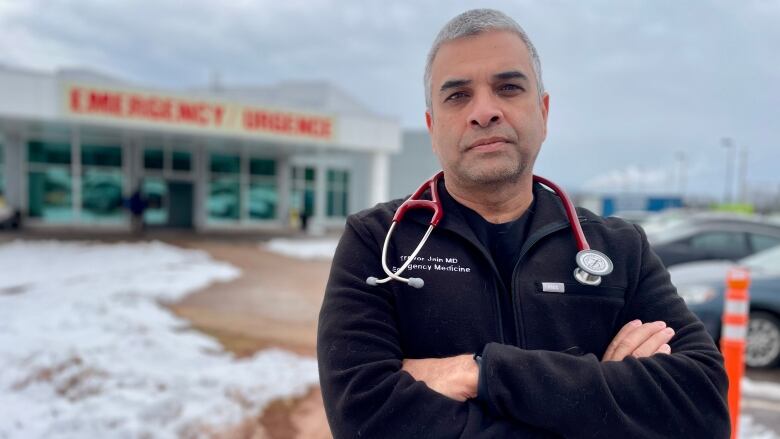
[137,205]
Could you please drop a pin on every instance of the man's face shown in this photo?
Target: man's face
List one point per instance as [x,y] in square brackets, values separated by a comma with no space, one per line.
[486,120]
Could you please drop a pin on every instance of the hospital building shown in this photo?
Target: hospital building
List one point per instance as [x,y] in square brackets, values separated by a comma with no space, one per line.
[75,144]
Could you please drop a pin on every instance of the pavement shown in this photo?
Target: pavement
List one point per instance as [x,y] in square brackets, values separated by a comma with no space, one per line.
[763,409]
[274,303]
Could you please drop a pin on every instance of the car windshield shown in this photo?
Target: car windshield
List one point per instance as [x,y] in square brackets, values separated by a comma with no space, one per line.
[669,231]
[667,226]
[765,262]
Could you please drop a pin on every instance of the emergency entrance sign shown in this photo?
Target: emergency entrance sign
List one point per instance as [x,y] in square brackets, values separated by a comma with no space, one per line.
[149,109]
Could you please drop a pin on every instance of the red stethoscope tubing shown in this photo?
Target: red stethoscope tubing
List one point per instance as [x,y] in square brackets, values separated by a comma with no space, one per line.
[434,204]
[571,213]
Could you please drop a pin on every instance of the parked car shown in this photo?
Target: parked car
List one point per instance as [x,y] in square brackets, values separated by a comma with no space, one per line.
[702,285]
[635,216]
[712,236]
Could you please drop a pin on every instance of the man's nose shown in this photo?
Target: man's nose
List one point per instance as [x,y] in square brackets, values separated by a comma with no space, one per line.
[485,111]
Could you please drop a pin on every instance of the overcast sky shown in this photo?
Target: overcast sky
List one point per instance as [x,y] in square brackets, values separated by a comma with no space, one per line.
[633,83]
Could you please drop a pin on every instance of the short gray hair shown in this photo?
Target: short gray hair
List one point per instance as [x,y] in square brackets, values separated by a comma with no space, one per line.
[475,22]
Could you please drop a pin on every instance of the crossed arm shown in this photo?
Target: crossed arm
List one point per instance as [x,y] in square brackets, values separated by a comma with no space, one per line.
[458,377]
[371,390]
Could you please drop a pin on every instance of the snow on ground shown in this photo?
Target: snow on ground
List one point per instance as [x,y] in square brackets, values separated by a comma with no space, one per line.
[307,249]
[750,430]
[760,389]
[86,350]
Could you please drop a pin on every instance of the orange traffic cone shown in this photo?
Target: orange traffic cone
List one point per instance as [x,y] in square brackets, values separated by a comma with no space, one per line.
[732,337]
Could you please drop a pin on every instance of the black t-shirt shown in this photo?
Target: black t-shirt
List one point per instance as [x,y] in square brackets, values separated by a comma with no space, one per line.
[503,241]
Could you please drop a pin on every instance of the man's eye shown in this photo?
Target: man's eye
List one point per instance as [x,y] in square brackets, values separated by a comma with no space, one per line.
[511,88]
[456,96]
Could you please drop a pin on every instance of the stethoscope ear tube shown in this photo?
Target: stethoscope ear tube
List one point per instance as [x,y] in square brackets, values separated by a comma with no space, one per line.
[415,282]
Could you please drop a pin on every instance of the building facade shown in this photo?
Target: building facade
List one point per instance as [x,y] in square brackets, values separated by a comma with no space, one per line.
[74,146]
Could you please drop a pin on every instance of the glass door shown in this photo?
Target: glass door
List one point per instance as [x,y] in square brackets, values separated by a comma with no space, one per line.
[302,195]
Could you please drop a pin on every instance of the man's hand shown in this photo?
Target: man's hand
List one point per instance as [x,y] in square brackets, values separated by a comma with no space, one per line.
[639,340]
[454,377]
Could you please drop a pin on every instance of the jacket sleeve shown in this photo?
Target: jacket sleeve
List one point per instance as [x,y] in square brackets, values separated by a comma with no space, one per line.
[678,395]
[366,394]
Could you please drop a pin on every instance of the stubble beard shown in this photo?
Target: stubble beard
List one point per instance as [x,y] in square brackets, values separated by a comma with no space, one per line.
[484,176]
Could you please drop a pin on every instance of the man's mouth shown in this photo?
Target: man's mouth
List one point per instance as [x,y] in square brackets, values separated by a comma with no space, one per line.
[488,144]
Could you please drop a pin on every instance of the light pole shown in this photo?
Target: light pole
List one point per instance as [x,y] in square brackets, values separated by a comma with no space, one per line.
[728,143]
[742,181]
[682,162]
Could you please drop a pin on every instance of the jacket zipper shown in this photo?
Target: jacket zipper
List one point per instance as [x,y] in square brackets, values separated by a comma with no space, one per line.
[496,283]
[530,242]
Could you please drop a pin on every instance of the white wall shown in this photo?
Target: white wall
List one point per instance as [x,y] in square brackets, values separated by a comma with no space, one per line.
[25,94]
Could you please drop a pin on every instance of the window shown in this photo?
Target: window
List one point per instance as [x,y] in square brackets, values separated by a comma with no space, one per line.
[264,167]
[224,202]
[50,181]
[92,155]
[762,242]
[49,153]
[338,193]
[225,164]
[101,182]
[302,190]
[155,192]
[262,189]
[153,158]
[181,161]
[725,244]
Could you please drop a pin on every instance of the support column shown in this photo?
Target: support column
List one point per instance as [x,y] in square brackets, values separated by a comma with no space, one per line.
[75,151]
[317,223]
[380,176]
[15,170]
[200,167]
[283,190]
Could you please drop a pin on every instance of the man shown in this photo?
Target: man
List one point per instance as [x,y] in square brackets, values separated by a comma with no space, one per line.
[554,358]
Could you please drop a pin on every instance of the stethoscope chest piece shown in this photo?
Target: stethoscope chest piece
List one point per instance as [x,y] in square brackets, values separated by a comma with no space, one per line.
[591,266]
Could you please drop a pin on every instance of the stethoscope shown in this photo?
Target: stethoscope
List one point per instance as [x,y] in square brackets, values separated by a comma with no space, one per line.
[591,264]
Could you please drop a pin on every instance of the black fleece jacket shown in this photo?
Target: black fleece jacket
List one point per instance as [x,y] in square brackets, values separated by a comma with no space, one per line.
[552,383]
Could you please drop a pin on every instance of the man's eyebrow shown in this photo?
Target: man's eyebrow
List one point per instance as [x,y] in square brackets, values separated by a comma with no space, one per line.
[454,83]
[512,74]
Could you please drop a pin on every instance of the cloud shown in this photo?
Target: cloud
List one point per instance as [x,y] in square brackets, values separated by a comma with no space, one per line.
[633,179]
[630,82]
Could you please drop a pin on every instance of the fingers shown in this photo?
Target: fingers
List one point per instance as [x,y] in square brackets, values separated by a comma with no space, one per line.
[628,327]
[654,343]
[639,340]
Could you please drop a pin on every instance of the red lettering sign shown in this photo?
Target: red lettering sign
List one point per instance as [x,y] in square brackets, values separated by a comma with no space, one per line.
[105,102]
[150,108]
[193,113]
[75,100]
[325,128]
[218,112]
[284,123]
[146,107]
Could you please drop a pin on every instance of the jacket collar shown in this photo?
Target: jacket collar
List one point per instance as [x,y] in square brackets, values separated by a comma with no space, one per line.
[548,211]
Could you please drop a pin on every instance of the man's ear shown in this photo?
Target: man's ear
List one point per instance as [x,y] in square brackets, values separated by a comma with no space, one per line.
[545,110]
[429,124]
